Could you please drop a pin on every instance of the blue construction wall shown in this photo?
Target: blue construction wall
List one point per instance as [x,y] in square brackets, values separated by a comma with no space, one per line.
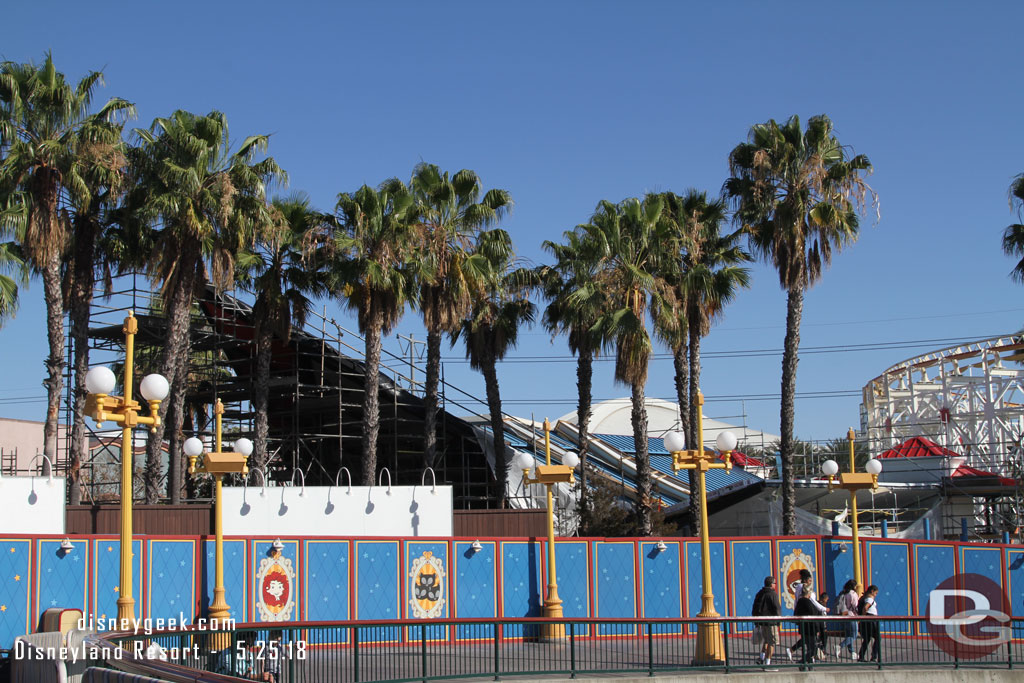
[381,579]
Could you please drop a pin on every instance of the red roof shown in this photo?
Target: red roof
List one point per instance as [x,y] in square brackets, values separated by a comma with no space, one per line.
[967,471]
[741,460]
[918,447]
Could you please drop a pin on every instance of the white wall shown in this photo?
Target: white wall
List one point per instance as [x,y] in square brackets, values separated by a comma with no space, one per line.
[338,510]
[32,505]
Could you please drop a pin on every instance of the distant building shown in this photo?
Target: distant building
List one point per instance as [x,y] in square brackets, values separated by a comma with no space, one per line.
[21,441]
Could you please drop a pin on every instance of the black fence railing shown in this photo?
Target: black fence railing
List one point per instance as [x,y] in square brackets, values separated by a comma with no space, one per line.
[417,650]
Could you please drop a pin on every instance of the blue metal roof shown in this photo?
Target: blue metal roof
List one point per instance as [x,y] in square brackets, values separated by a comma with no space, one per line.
[661,462]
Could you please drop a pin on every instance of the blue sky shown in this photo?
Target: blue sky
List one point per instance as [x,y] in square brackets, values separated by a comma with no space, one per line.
[564,104]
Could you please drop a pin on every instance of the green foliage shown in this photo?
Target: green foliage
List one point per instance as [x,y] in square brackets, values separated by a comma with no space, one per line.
[1013,235]
[606,512]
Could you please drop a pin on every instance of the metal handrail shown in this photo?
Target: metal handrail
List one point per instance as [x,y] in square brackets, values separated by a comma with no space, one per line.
[355,650]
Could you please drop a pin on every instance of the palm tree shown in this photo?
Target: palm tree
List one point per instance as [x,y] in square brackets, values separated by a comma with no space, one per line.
[450,213]
[369,271]
[209,202]
[1013,235]
[500,307]
[631,236]
[798,194]
[104,173]
[708,277]
[575,302]
[282,279]
[42,118]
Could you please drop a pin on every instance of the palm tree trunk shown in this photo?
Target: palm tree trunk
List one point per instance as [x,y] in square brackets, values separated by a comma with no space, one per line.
[790,358]
[179,308]
[695,493]
[260,397]
[680,360]
[175,419]
[490,372]
[643,460]
[371,404]
[430,396]
[584,387]
[54,381]
[175,416]
[79,302]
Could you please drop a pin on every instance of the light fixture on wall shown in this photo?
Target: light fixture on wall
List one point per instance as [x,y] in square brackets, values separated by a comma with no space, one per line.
[842,547]
[277,545]
[661,547]
[476,546]
[66,545]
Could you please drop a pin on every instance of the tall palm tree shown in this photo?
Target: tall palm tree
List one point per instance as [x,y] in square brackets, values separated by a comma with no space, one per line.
[500,307]
[42,118]
[278,272]
[209,202]
[706,278]
[798,194]
[104,160]
[372,247]
[1013,235]
[450,213]
[575,301]
[631,236]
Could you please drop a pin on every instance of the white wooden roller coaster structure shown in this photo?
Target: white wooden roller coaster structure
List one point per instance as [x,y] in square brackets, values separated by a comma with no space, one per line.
[967,398]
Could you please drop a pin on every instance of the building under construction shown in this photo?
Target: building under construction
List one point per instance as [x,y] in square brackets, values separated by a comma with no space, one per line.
[315,404]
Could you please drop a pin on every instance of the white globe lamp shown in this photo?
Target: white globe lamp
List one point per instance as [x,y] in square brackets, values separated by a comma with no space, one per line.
[154,387]
[571,460]
[100,380]
[675,442]
[524,461]
[243,446]
[726,442]
[193,447]
[830,468]
[873,466]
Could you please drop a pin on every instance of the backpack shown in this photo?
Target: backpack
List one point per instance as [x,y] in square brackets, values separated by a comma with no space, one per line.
[757,609]
[840,605]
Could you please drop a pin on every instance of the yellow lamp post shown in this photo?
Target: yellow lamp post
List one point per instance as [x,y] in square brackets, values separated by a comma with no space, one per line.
[123,410]
[853,481]
[549,475]
[710,647]
[217,464]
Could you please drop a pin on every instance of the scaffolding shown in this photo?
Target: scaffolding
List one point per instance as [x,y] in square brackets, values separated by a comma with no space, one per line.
[315,401]
[969,399]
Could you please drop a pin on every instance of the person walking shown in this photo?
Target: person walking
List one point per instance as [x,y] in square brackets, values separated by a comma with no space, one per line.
[803,589]
[869,630]
[806,607]
[822,643]
[766,604]
[846,606]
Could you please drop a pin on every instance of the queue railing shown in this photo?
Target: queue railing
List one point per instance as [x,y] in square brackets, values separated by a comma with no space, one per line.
[397,651]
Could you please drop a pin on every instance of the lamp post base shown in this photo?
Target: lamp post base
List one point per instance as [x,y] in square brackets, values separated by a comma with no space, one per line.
[219,612]
[710,649]
[552,632]
[126,612]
